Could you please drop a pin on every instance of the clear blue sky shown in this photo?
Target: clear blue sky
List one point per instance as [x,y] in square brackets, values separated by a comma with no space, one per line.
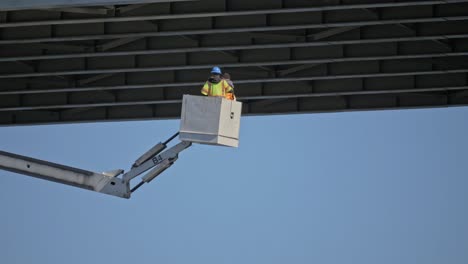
[365,187]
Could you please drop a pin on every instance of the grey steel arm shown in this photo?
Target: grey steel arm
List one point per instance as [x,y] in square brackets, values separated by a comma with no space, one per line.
[156,160]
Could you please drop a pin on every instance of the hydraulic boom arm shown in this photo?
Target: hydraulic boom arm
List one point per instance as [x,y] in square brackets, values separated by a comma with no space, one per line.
[156,161]
[204,120]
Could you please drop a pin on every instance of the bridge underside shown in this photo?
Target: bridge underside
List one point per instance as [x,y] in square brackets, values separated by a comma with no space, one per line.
[134,62]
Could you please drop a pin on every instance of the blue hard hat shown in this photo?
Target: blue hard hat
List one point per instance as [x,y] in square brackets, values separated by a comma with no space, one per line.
[216,70]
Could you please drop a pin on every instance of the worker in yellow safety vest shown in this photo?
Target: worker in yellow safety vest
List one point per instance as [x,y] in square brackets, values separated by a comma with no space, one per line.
[217,86]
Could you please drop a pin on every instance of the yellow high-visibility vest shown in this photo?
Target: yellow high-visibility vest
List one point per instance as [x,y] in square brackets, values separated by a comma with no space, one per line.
[216,89]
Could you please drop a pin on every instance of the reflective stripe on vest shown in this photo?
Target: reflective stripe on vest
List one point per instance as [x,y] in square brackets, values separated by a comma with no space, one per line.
[213,89]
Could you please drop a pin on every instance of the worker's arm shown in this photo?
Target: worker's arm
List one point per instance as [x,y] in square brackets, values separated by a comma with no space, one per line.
[229,91]
[206,89]
[227,87]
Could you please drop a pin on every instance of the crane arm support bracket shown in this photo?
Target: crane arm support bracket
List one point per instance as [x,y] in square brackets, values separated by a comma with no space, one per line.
[170,154]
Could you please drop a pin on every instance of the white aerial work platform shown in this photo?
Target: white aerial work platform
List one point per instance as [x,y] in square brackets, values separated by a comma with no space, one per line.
[204,120]
[210,120]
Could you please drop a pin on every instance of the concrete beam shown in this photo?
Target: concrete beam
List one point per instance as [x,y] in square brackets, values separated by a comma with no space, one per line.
[215,48]
[7,5]
[83,10]
[236,30]
[244,81]
[221,14]
[278,97]
[233,65]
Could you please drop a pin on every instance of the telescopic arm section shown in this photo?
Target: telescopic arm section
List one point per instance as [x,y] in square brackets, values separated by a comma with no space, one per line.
[100,182]
[153,163]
